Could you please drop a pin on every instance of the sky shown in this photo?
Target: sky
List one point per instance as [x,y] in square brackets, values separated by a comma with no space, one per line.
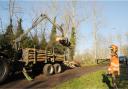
[112,14]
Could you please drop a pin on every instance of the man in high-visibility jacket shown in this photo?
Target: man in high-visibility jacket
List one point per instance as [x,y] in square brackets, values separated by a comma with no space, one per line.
[113,68]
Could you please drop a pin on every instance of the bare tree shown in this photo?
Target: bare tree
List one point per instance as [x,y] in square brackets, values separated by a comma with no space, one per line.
[15,11]
[119,39]
[1,26]
[71,21]
[11,9]
[124,50]
[96,19]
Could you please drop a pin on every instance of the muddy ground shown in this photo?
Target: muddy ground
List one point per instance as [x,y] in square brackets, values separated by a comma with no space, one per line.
[42,81]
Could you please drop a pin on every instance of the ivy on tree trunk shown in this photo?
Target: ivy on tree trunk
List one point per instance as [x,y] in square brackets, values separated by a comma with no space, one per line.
[73,43]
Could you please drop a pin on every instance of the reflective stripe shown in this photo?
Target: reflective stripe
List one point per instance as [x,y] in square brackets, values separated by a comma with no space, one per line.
[109,69]
[113,64]
[115,69]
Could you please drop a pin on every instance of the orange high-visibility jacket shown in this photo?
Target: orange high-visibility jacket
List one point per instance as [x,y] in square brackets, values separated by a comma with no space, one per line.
[114,61]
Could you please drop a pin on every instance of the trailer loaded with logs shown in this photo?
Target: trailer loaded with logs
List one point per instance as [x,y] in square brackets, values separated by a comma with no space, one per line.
[14,59]
[51,61]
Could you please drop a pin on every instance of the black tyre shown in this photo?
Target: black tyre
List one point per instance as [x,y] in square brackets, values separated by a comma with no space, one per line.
[48,69]
[57,68]
[4,69]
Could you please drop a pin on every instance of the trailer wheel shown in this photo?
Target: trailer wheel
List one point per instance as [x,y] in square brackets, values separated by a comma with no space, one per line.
[57,68]
[48,69]
[4,69]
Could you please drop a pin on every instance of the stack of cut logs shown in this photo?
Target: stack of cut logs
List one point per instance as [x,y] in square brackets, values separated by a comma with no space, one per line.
[31,54]
[71,64]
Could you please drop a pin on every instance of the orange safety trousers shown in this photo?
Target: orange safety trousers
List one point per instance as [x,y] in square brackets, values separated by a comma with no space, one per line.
[114,68]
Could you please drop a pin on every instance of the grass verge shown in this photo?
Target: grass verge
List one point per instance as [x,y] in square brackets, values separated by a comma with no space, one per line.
[88,81]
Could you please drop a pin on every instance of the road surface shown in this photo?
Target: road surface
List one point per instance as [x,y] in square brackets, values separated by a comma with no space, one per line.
[46,82]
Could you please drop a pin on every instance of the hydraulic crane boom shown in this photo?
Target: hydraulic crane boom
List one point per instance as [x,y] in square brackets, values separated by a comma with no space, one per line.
[57,26]
[34,24]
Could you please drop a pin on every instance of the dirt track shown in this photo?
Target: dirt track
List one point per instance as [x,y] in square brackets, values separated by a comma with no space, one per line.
[42,81]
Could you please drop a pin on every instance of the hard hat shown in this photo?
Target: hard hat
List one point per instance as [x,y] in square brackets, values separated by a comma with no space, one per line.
[114,47]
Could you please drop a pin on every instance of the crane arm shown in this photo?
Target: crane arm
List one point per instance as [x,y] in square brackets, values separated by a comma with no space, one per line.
[35,23]
[57,26]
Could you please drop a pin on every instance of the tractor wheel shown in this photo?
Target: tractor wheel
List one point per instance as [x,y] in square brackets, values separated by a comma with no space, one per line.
[4,69]
[57,68]
[48,69]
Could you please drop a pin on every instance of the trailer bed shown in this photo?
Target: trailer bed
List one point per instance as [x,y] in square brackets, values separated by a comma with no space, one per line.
[33,55]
